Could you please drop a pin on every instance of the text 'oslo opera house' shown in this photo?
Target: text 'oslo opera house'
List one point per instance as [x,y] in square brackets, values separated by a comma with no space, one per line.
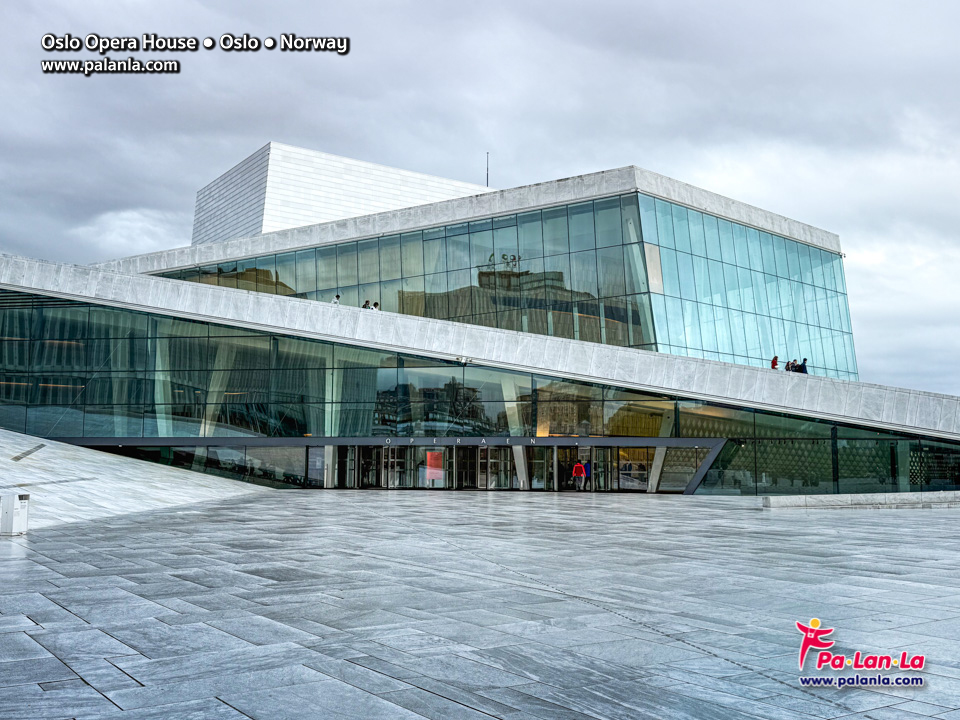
[605,332]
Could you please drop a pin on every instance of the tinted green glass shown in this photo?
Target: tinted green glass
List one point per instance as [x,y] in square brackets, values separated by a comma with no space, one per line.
[555,239]
[582,232]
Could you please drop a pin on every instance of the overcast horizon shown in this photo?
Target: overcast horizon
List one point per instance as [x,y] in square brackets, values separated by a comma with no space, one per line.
[842,116]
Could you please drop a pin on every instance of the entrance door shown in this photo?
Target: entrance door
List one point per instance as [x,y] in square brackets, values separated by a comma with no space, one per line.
[465,462]
[573,464]
[347,466]
[370,459]
[393,468]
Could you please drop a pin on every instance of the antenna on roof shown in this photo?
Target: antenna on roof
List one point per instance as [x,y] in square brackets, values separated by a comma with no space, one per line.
[488,168]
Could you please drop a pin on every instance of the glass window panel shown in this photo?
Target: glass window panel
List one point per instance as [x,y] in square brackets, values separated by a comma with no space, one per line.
[458,252]
[532,283]
[104,322]
[247,274]
[555,231]
[616,325]
[327,267]
[793,260]
[390,291]
[786,299]
[556,274]
[751,333]
[780,255]
[691,324]
[677,336]
[368,257]
[823,312]
[347,264]
[662,327]
[731,281]
[190,275]
[227,274]
[406,254]
[698,241]
[610,269]
[560,321]
[630,217]
[583,268]
[481,248]
[838,274]
[816,261]
[688,290]
[306,271]
[459,293]
[582,234]
[747,294]
[389,257]
[711,231]
[208,275]
[505,246]
[434,256]
[267,274]
[435,296]
[550,389]
[810,304]
[741,248]
[701,276]
[671,275]
[665,223]
[530,234]
[724,340]
[844,313]
[718,293]
[806,271]
[534,320]
[737,334]
[587,322]
[411,298]
[635,272]
[681,229]
[287,274]
[727,246]
[607,222]
[766,252]
[648,219]
[767,347]
[754,249]
[702,419]
[773,295]
[371,292]
[829,280]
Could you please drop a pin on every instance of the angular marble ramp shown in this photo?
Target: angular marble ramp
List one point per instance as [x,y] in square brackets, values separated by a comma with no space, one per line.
[70,484]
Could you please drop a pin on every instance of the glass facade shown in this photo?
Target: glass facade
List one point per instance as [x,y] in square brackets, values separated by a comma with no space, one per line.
[629,271]
[725,291]
[83,371]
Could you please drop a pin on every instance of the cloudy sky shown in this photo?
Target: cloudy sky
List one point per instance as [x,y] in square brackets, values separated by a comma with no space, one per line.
[844,115]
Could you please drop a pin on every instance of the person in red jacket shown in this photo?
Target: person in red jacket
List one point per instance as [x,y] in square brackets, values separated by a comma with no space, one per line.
[579,474]
[774,362]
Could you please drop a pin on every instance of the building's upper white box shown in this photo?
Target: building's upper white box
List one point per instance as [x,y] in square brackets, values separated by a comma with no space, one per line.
[281,187]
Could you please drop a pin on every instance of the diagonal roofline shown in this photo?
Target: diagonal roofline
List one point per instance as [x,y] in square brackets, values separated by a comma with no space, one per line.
[875,406]
[498,202]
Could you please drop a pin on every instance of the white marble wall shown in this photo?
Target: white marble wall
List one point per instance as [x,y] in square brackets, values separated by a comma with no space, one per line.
[527,197]
[862,403]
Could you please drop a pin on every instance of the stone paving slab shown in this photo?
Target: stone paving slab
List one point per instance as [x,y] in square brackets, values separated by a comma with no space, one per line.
[377,604]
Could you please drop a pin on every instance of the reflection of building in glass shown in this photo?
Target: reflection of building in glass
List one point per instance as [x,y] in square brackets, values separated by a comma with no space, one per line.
[587,275]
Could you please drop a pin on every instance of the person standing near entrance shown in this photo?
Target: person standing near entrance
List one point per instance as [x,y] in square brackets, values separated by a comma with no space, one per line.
[579,475]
